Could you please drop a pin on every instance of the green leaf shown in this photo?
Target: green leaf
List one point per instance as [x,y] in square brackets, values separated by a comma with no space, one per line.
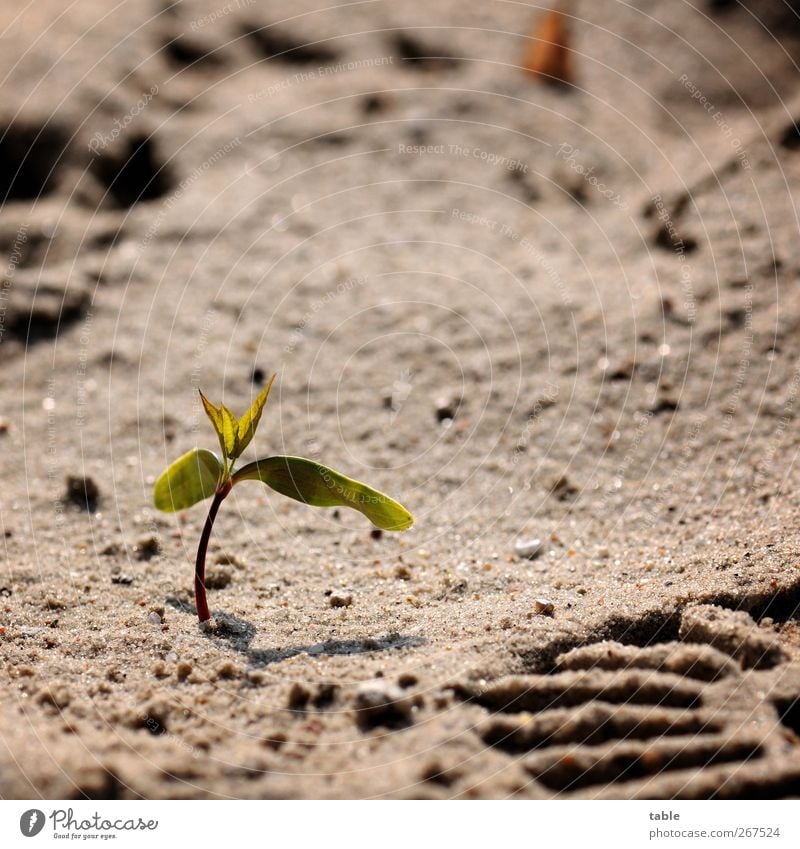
[248,423]
[317,485]
[214,415]
[189,479]
[230,431]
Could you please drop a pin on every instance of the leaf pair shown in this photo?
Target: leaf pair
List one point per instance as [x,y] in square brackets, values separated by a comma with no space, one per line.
[194,477]
[235,434]
[199,474]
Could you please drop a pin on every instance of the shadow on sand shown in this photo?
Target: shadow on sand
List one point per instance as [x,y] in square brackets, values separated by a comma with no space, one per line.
[239,634]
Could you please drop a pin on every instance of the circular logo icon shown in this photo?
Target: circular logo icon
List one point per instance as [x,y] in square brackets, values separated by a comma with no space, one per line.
[31,822]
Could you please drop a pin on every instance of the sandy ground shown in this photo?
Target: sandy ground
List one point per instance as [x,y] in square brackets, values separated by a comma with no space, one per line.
[528,311]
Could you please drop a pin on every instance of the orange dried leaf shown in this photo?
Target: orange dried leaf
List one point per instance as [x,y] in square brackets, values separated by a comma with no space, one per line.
[548,55]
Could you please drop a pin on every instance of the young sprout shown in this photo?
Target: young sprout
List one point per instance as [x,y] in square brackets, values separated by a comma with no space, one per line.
[202,474]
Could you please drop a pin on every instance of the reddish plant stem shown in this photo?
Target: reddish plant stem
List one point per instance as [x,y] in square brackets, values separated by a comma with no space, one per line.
[203,613]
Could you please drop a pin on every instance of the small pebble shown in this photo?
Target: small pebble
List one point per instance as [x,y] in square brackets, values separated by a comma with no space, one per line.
[153,618]
[445,410]
[543,607]
[122,579]
[528,548]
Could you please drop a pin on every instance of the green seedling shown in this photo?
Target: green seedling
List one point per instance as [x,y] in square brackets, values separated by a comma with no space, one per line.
[202,474]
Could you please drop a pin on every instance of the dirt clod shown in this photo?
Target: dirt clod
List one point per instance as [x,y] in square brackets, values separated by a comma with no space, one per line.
[147,547]
[298,696]
[380,703]
[183,670]
[340,599]
[218,577]
[82,492]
